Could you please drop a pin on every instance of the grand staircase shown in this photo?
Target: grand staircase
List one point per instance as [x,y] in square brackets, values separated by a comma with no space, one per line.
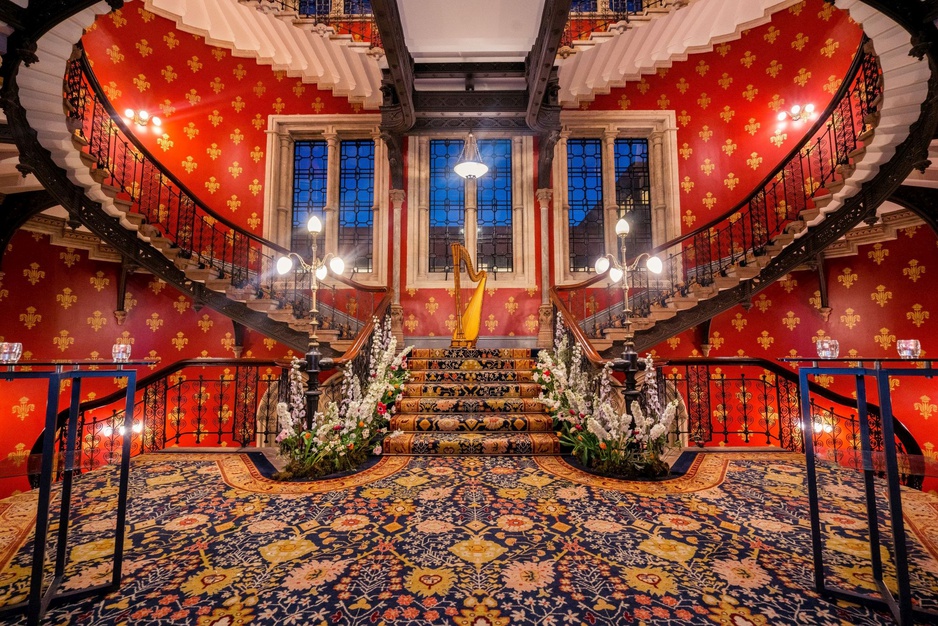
[471,401]
[809,200]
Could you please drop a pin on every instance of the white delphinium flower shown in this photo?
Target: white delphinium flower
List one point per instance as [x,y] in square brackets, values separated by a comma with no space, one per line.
[651,387]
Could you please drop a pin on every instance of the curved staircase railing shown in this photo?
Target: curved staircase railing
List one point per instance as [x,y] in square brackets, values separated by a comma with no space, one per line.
[746,401]
[206,245]
[587,18]
[736,245]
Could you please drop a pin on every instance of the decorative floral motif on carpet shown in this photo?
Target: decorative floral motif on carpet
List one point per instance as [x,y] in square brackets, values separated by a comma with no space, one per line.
[469,541]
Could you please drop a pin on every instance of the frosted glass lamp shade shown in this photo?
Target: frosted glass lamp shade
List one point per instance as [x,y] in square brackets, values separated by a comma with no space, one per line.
[284,265]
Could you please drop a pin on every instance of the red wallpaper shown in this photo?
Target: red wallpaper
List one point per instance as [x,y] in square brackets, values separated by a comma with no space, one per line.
[727,102]
[878,296]
[213,105]
[216,108]
[60,305]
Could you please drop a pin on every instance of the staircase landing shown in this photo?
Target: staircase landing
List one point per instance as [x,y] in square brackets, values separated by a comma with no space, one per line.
[471,401]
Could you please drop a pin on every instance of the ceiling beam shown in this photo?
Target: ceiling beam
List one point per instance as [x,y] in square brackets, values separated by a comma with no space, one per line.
[540,67]
[398,114]
[12,15]
[476,70]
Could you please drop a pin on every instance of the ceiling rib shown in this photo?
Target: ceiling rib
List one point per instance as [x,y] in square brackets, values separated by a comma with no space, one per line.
[398,114]
[542,78]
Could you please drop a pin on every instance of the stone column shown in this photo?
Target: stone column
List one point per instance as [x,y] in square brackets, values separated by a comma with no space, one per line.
[397,311]
[611,212]
[282,228]
[545,313]
[659,217]
[331,210]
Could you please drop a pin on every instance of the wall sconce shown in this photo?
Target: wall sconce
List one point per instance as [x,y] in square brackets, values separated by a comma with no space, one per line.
[470,163]
[141,118]
[797,113]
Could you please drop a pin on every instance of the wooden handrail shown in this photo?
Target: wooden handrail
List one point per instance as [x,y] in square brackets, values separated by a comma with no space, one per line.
[362,338]
[588,350]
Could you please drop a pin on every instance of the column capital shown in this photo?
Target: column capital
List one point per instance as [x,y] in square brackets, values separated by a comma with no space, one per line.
[544,196]
[397,197]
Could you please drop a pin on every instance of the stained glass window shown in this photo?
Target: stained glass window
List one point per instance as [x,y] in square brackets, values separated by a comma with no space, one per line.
[633,192]
[356,203]
[309,190]
[493,234]
[585,198]
[447,203]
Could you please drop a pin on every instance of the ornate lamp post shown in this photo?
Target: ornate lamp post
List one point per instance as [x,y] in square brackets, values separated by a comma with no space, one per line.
[318,269]
[619,271]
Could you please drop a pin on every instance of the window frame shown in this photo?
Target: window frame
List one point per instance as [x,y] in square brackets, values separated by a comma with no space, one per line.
[659,128]
[418,222]
[283,131]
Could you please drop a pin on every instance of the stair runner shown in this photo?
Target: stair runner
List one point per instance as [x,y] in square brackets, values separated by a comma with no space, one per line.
[471,401]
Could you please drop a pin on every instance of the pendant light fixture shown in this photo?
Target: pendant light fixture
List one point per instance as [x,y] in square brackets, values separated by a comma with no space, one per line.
[470,163]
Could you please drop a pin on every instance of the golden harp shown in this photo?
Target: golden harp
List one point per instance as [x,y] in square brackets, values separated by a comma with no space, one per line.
[468,322]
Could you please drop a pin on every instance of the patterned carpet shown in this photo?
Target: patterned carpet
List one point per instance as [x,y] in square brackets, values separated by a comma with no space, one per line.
[471,401]
[467,541]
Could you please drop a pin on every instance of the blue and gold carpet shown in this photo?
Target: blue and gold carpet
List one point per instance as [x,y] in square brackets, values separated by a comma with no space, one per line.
[469,541]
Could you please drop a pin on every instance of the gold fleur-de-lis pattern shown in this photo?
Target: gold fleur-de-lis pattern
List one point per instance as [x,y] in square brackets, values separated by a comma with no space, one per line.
[70,314]
[226,101]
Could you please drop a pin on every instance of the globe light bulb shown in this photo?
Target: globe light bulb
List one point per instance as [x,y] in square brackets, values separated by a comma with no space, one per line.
[622,227]
[654,265]
[601,265]
[284,265]
[337,265]
[615,274]
[314,225]
[321,272]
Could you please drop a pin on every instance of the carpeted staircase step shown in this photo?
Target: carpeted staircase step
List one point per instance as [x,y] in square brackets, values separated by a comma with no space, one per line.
[468,389]
[473,353]
[469,405]
[523,364]
[473,422]
[472,443]
[467,376]
[471,401]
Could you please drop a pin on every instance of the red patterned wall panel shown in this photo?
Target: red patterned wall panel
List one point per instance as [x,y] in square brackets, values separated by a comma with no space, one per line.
[60,305]
[876,297]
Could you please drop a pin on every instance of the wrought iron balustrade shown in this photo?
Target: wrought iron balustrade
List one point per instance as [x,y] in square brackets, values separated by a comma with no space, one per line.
[344,17]
[698,263]
[591,16]
[193,402]
[755,402]
[185,228]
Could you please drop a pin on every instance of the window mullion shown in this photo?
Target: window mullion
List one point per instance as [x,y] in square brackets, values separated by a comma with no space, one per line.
[471,221]
[610,206]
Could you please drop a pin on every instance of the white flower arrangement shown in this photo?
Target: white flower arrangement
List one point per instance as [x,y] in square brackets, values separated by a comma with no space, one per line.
[345,432]
[585,410]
